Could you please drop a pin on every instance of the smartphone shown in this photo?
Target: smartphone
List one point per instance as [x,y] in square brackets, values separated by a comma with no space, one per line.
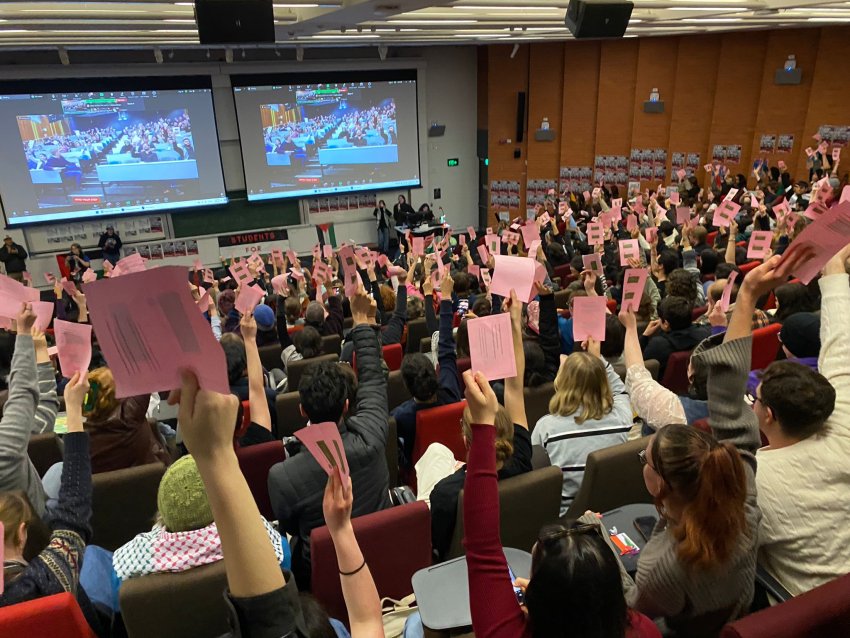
[645,525]
[520,596]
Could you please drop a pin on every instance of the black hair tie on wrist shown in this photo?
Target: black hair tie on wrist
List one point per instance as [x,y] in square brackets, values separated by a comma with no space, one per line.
[362,565]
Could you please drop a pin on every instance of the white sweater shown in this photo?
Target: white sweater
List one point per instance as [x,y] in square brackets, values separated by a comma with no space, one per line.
[804,489]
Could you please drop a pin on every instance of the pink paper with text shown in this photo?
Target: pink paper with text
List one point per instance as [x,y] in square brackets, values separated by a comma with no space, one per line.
[634,282]
[759,245]
[491,346]
[73,341]
[589,318]
[324,443]
[824,237]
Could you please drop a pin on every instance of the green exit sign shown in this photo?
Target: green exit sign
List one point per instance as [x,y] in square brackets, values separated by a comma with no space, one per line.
[452,162]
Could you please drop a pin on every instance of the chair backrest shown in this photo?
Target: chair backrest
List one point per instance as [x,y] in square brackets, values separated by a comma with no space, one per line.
[331,344]
[745,268]
[526,503]
[397,392]
[463,364]
[425,344]
[439,425]
[176,605]
[613,477]
[676,373]
[823,611]
[396,543]
[295,370]
[562,297]
[270,356]
[654,368]
[710,237]
[246,421]
[765,346]
[537,402]
[289,417]
[348,323]
[416,330]
[391,451]
[56,616]
[44,450]
[393,355]
[255,461]
[124,504]
[698,312]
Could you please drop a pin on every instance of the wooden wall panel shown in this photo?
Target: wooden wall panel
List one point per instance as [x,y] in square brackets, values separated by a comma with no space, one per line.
[656,68]
[580,103]
[696,79]
[545,90]
[782,108]
[617,66]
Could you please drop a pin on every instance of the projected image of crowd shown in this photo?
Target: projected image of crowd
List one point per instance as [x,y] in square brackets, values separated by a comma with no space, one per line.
[73,157]
[315,145]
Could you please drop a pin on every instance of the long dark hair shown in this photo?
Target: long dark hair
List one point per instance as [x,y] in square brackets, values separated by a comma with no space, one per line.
[575,587]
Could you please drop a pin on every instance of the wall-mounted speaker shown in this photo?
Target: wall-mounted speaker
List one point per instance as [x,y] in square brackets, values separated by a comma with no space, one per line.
[788,76]
[520,116]
[598,18]
[235,21]
[436,130]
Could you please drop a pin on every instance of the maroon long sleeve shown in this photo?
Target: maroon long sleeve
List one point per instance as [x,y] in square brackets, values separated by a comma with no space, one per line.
[495,611]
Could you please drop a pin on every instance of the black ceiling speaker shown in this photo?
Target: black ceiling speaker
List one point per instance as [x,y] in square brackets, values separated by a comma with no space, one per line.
[235,21]
[598,18]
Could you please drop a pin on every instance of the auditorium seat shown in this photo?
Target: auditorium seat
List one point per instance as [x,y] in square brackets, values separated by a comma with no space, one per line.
[255,461]
[347,323]
[676,373]
[562,297]
[765,346]
[391,452]
[331,344]
[710,237]
[537,402]
[425,344]
[289,417]
[295,370]
[440,425]
[57,616]
[44,451]
[246,421]
[176,605]
[124,504]
[270,356]
[745,268]
[392,355]
[823,611]
[395,542]
[613,477]
[698,312]
[526,503]
[416,331]
[397,392]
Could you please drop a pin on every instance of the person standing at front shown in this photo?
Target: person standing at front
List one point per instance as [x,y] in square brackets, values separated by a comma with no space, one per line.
[14,258]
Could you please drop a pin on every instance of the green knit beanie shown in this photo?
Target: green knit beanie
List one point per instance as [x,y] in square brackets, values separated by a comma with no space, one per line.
[182,499]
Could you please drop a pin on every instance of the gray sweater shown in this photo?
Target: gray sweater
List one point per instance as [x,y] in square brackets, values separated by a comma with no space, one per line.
[16,470]
[48,401]
[698,603]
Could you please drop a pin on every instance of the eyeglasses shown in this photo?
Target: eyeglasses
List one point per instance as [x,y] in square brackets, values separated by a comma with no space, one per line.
[644,460]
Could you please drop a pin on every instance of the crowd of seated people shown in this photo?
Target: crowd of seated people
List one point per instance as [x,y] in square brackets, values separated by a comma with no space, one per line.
[746,467]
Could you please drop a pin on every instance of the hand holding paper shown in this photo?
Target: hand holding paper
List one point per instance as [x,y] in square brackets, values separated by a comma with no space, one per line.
[324,443]
[73,342]
[491,346]
[634,282]
[759,246]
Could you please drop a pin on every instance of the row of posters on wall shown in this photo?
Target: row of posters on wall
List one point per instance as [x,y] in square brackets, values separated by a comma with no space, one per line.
[88,234]
[165,249]
[336,203]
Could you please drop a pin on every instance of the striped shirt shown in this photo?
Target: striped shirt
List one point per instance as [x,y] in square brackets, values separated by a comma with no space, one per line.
[568,443]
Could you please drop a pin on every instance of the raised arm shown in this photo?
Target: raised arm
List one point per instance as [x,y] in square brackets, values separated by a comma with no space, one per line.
[834,361]
[446,352]
[514,397]
[256,387]
[395,326]
[358,586]
[550,340]
[48,401]
[495,610]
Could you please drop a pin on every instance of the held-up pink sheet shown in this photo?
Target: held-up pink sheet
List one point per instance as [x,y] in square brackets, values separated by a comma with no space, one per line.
[43,314]
[324,443]
[149,328]
[249,297]
[824,237]
[759,245]
[73,342]
[491,346]
[589,318]
[726,297]
[517,273]
[634,282]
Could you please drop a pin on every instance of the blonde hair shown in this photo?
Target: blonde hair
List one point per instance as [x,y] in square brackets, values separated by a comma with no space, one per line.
[582,389]
[105,401]
[504,433]
[15,508]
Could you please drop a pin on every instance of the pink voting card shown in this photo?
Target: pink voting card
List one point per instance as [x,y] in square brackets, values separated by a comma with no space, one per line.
[509,237]
[651,234]
[532,250]
[530,233]
[629,249]
[631,222]
[208,276]
[321,271]
[494,243]
[815,210]
[726,297]
[589,318]
[43,314]
[277,256]
[836,153]
[491,346]
[204,301]
[317,252]
[89,275]
[471,232]
[240,273]
[593,263]
[674,198]
[279,284]
[733,192]
[324,443]
[12,295]
[297,273]
[780,209]
[595,233]
[845,195]
[149,329]
[683,214]
[634,282]
[69,287]
[824,237]
[197,265]
[725,213]
[681,174]
[418,246]
[131,263]
[327,251]
[482,252]
[249,297]
[73,341]
[519,274]
[50,278]
[617,202]
[473,271]
[347,260]
[759,246]
[351,282]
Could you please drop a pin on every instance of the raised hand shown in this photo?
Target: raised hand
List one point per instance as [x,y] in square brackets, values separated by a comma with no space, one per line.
[248,327]
[206,418]
[480,398]
[628,319]
[25,319]
[337,502]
